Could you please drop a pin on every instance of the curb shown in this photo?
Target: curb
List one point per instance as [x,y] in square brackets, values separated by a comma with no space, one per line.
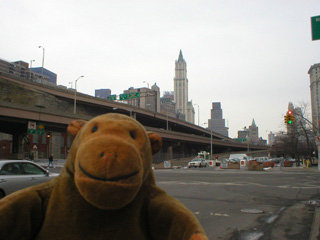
[315,225]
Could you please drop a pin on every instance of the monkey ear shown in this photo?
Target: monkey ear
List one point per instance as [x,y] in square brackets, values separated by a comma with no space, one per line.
[75,126]
[155,141]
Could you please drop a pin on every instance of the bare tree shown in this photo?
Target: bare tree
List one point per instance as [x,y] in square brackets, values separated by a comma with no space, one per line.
[299,141]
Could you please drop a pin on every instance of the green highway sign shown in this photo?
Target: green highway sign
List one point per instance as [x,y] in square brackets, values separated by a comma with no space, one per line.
[113,97]
[124,96]
[315,28]
[40,128]
[32,127]
[134,95]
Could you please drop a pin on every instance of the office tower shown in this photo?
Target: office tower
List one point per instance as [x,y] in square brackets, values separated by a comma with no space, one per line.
[217,123]
[181,90]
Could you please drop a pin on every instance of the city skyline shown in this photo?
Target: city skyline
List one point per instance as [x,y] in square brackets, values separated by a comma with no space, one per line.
[252,57]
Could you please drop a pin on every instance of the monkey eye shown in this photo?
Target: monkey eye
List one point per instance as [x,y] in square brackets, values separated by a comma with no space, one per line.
[94,129]
[132,134]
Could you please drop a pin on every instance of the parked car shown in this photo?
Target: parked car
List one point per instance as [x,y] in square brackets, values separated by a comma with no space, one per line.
[19,174]
[197,162]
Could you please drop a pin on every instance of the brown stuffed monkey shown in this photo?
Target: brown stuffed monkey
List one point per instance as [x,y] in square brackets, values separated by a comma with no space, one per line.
[106,190]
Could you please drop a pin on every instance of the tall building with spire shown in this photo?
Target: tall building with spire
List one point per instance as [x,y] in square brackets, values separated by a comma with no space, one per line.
[250,134]
[253,132]
[181,90]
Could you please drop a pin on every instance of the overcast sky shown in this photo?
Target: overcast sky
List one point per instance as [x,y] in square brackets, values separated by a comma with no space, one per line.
[251,55]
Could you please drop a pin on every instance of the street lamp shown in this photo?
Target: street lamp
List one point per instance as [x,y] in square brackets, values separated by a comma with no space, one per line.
[31,63]
[31,67]
[248,138]
[146,83]
[42,62]
[198,114]
[167,121]
[75,95]
[210,142]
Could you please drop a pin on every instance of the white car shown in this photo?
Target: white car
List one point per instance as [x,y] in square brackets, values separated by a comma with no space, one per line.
[19,174]
[197,162]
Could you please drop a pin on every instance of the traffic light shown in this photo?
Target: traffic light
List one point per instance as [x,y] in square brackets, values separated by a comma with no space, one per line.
[289,118]
[285,119]
[48,135]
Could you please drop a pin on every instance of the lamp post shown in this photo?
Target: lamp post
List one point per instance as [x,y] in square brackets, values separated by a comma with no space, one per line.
[210,142]
[75,95]
[167,121]
[42,62]
[31,63]
[146,83]
[31,67]
[198,114]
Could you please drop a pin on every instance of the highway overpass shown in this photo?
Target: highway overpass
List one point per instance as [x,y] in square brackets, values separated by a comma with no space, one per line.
[24,101]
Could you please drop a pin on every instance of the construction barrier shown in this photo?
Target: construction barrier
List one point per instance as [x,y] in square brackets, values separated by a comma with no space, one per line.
[212,163]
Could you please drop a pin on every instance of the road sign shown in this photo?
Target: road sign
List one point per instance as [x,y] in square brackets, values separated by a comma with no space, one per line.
[113,97]
[167,164]
[315,28]
[134,95]
[40,128]
[32,127]
[124,96]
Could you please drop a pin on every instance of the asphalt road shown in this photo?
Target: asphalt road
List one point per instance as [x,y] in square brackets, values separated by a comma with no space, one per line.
[246,205]
[239,204]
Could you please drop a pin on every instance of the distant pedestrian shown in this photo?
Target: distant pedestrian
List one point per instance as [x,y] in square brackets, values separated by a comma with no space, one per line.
[51,161]
[31,157]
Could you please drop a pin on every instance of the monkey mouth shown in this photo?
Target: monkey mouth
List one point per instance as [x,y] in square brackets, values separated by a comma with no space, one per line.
[113,179]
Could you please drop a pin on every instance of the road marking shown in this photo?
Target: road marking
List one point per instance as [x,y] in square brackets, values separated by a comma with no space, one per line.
[307,186]
[219,214]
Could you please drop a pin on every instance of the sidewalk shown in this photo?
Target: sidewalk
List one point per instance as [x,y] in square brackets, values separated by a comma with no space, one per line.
[56,162]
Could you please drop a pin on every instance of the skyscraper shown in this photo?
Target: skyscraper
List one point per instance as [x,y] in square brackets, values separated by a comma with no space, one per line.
[102,93]
[181,90]
[217,123]
[314,73]
[253,133]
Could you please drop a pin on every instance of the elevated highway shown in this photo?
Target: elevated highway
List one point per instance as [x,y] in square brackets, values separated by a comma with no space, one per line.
[24,101]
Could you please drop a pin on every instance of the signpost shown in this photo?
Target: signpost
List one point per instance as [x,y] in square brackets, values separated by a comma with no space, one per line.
[134,95]
[32,127]
[124,96]
[40,128]
[315,28]
[113,97]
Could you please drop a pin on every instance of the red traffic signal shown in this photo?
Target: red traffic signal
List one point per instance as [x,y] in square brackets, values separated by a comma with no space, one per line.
[289,118]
